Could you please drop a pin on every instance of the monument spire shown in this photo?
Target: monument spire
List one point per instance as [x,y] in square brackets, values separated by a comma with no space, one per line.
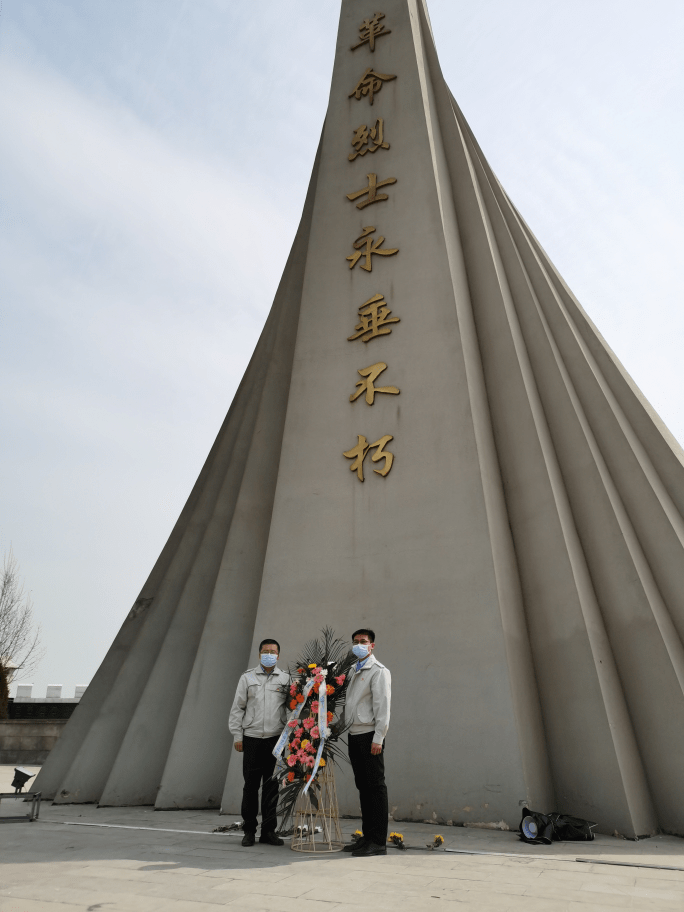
[433,439]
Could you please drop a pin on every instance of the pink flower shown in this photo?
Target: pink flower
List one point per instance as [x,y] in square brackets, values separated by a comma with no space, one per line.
[295,744]
[315,732]
[291,760]
[299,732]
[318,671]
[314,706]
[310,761]
[293,690]
[293,723]
[319,679]
[310,748]
[308,723]
[340,679]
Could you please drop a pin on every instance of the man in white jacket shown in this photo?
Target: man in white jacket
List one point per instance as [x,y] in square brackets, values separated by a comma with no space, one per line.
[257,718]
[367,708]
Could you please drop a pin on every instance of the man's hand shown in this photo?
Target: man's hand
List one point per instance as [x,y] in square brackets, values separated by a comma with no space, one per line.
[375,749]
[238,746]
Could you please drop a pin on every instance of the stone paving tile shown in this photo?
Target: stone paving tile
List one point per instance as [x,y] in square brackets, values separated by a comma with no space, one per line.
[204,869]
[645,878]
[346,887]
[9,904]
[594,885]
[211,897]
[621,892]
[440,885]
[504,874]
[84,896]
[264,874]
[665,894]
[292,887]
[256,902]
[188,905]
[61,883]
[611,897]
[647,874]
[397,879]
[176,880]
[353,897]
[577,873]
[174,869]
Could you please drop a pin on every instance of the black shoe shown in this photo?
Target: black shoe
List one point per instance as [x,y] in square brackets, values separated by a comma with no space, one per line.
[248,839]
[270,839]
[355,846]
[369,849]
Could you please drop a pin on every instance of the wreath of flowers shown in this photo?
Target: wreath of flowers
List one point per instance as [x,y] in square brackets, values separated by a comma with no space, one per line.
[325,663]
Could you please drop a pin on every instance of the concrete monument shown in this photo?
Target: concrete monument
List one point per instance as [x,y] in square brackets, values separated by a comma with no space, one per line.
[432,439]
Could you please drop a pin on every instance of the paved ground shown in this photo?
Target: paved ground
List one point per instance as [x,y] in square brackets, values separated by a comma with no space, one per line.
[58,864]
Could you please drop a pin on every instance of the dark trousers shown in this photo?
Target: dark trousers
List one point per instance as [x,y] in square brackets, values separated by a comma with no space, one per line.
[258,764]
[369,776]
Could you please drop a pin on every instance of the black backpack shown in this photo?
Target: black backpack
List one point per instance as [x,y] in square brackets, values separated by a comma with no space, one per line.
[543,829]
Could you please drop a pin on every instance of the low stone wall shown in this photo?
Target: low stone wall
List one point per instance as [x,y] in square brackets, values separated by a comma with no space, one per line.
[28,741]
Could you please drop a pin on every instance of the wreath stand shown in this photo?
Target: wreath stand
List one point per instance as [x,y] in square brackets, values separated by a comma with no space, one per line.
[325,818]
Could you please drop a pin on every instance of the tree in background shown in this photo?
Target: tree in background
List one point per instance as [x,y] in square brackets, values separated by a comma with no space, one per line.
[20,650]
[4,692]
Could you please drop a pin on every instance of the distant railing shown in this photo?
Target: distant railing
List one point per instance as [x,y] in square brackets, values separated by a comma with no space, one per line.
[40,710]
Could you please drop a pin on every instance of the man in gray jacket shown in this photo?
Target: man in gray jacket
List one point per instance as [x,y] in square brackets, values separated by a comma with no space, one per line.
[367,708]
[257,718]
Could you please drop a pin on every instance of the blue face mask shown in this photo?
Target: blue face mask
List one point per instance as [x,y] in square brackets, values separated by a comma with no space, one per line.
[268,660]
[360,650]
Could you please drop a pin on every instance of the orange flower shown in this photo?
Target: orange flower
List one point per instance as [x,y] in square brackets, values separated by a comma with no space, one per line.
[293,704]
[330,689]
[330,716]
[300,671]
[290,776]
[299,698]
[316,688]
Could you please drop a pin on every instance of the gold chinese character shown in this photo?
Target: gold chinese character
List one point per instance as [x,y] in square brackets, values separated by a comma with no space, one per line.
[373,139]
[370,83]
[371,247]
[370,375]
[370,29]
[359,452]
[371,191]
[373,316]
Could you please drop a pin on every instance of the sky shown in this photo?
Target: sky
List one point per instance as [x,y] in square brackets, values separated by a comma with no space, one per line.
[154,157]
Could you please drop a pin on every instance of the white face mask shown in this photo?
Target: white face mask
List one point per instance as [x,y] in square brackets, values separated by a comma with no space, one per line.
[268,660]
[360,650]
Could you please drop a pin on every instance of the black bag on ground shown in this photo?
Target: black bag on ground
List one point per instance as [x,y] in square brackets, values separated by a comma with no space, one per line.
[572,829]
[536,828]
[543,829]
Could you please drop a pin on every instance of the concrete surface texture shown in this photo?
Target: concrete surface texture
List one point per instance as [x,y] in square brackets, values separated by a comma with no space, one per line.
[25,741]
[522,562]
[138,859]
